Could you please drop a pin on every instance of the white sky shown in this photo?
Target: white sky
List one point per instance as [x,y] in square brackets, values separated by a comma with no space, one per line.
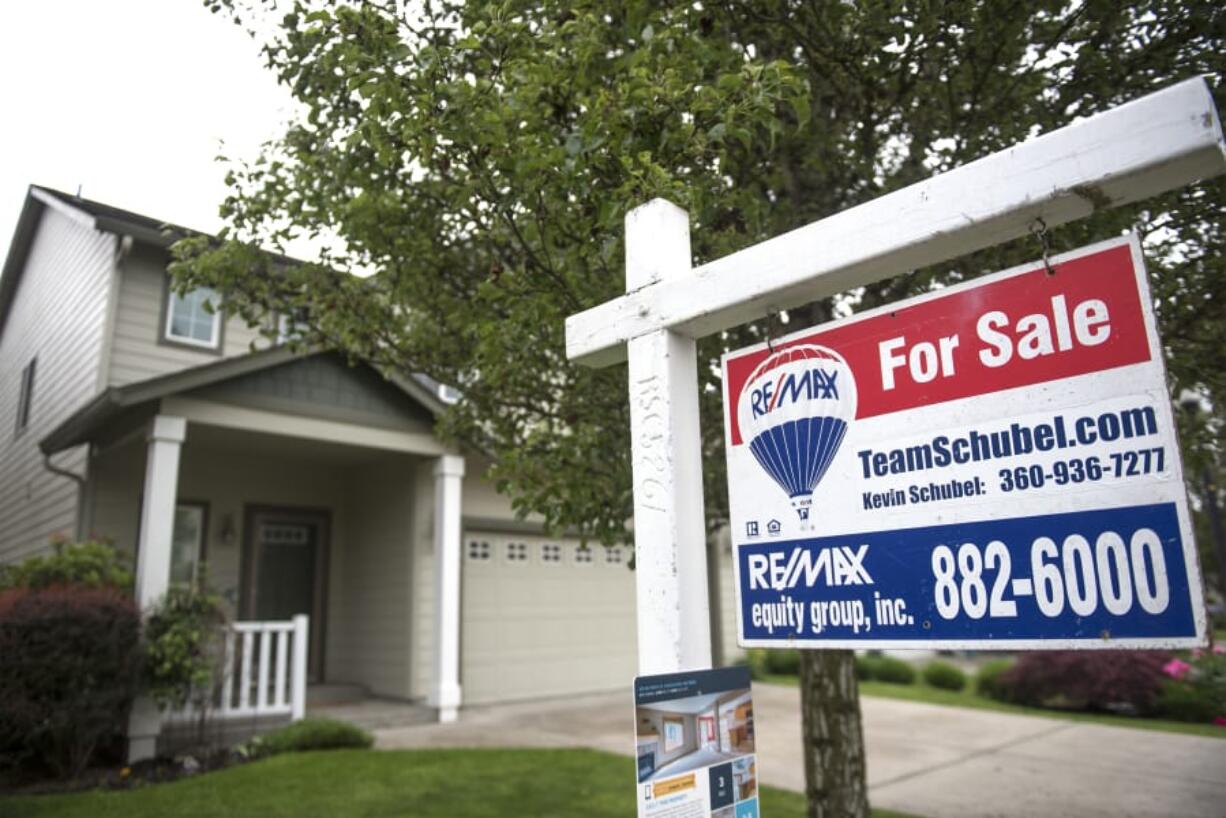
[132,100]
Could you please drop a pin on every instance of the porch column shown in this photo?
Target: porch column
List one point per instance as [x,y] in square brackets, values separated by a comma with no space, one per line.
[448,481]
[157,520]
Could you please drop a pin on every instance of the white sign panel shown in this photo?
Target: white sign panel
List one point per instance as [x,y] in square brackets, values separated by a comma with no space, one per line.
[993,465]
[694,739]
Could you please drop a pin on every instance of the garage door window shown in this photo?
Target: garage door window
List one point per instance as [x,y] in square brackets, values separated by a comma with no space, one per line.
[551,553]
[479,550]
[583,555]
[613,555]
[517,552]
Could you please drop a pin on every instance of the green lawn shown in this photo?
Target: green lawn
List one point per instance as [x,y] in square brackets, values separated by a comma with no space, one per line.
[920,692]
[371,784]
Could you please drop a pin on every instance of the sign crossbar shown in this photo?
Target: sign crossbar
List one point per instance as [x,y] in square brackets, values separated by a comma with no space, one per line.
[1148,146]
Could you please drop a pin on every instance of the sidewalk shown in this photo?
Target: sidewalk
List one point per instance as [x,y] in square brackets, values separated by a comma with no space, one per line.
[924,759]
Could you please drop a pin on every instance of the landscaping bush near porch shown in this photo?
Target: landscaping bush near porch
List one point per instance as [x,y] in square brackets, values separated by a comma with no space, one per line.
[71,664]
[73,657]
[312,734]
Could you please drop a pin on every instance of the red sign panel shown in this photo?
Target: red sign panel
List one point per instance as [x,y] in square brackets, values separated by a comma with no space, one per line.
[1086,317]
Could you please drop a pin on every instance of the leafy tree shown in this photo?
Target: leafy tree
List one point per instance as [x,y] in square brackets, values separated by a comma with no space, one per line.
[479,158]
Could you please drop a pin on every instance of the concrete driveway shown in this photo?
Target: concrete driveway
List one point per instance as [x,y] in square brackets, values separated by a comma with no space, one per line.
[924,759]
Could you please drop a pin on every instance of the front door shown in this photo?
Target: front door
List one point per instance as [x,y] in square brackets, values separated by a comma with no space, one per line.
[286,565]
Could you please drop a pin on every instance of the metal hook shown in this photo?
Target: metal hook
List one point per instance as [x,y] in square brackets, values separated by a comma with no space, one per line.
[1038,229]
[772,318]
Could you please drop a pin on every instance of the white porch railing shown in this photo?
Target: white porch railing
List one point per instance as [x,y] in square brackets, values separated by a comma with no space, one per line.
[263,674]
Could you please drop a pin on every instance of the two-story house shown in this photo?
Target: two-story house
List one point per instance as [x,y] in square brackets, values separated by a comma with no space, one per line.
[305,485]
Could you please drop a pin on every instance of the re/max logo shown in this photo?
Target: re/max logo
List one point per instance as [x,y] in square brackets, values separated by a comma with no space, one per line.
[793,386]
[837,565]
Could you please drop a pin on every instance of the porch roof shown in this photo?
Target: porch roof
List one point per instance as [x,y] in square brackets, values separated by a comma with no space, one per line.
[84,425]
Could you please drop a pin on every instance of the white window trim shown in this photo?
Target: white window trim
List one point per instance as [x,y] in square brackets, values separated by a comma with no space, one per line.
[213,344]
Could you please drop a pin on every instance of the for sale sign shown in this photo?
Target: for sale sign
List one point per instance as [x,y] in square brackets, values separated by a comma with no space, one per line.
[992,465]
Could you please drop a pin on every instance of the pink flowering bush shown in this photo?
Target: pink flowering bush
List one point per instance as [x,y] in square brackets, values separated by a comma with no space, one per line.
[1176,669]
[1196,690]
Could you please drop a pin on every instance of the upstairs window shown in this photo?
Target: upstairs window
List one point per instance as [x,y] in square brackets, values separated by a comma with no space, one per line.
[25,396]
[292,325]
[193,319]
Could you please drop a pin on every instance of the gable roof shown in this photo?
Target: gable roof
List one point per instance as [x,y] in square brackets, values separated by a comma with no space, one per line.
[96,215]
[117,220]
[86,212]
[81,425]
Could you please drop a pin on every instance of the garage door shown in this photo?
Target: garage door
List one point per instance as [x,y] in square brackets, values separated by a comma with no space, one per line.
[543,616]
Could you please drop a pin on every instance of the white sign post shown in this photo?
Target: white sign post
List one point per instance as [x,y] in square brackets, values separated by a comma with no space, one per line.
[1146,147]
[671,573]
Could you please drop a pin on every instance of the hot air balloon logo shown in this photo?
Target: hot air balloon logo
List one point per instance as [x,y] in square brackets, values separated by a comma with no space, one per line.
[794,412]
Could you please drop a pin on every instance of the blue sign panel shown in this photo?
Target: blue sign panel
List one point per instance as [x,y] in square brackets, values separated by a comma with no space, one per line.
[1114,574]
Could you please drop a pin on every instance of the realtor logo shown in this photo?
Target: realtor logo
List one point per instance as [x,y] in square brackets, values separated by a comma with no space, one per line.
[751,528]
[773,528]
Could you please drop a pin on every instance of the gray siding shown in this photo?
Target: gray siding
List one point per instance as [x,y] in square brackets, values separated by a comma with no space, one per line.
[137,350]
[58,315]
[370,615]
[324,386]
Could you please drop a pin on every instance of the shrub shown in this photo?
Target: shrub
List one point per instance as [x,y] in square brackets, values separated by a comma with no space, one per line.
[987,678]
[1195,691]
[755,658]
[71,659]
[783,662]
[945,676]
[184,647]
[866,667]
[90,564]
[311,734]
[1183,702]
[894,671]
[1091,679]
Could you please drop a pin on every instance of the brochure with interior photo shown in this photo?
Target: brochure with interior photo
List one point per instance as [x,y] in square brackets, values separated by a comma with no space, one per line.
[695,745]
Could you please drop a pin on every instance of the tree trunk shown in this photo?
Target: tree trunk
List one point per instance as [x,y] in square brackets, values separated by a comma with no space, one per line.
[1216,529]
[835,782]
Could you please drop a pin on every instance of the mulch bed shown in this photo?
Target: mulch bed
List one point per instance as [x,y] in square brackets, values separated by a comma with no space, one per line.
[149,771]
